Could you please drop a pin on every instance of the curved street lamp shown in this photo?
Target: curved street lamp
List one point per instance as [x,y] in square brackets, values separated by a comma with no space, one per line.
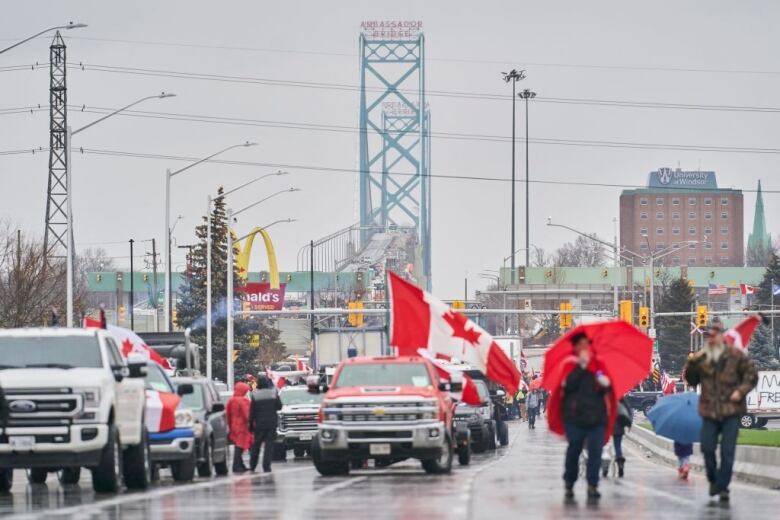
[70,25]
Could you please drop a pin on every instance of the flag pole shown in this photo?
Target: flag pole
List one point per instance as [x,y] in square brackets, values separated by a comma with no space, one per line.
[387,308]
[772,308]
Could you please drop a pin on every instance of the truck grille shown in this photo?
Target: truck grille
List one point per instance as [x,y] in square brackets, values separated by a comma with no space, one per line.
[381,412]
[42,406]
[299,422]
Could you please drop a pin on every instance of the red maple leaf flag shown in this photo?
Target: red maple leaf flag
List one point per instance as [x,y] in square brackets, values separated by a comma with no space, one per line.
[739,335]
[420,320]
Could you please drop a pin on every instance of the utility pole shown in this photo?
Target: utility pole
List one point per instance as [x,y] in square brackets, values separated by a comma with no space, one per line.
[527,94]
[154,284]
[311,287]
[132,288]
[513,76]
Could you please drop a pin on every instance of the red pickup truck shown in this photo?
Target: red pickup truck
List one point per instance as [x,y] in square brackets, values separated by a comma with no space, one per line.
[387,409]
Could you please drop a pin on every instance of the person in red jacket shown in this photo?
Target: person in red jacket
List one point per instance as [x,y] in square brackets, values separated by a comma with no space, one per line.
[237,411]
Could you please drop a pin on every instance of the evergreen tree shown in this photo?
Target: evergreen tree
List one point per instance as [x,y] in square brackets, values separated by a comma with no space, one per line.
[761,347]
[191,307]
[674,331]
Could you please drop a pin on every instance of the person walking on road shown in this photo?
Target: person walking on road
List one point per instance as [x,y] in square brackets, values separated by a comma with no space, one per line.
[585,416]
[533,408]
[726,375]
[521,406]
[623,422]
[263,419]
[237,414]
[683,453]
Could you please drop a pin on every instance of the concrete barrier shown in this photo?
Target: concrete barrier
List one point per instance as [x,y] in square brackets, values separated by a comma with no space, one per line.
[757,464]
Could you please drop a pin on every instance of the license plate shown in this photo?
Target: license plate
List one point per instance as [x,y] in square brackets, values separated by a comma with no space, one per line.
[379,449]
[25,443]
[305,437]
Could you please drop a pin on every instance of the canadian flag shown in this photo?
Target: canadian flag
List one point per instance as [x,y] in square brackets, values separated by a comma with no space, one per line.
[739,335]
[129,342]
[469,394]
[276,379]
[161,410]
[747,289]
[420,320]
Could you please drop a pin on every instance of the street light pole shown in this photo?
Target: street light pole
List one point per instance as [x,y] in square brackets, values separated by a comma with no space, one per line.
[132,288]
[70,25]
[70,246]
[513,76]
[527,94]
[167,235]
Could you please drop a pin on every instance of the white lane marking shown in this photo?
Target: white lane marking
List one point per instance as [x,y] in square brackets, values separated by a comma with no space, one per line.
[302,510]
[87,509]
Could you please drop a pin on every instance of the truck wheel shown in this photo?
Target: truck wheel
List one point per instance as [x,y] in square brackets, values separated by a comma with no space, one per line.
[327,468]
[37,476]
[280,453]
[107,475]
[221,468]
[299,452]
[747,421]
[483,443]
[6,479]
[204,468]
[184,470]
[444,463]
[70,476]
[503,433]
[137,466]
[464,455]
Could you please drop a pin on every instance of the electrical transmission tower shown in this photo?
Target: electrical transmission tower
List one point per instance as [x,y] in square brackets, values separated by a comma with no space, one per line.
[54,240]
[395,187]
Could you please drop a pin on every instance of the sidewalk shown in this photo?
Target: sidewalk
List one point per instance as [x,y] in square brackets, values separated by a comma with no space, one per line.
[528,481]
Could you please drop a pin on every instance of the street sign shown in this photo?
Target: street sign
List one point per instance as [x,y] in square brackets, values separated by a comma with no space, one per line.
[651,333]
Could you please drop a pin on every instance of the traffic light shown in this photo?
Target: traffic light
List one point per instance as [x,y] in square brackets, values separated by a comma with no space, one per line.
[626,311]
[122,313]
[644,317]
[701,316]
[174,318]
[458,305]
[564,318]
[355,319]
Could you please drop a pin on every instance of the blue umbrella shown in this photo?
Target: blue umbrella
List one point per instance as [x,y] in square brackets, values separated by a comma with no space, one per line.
[677,417]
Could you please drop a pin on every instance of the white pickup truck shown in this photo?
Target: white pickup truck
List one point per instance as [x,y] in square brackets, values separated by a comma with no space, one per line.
[763,402]
[72,401]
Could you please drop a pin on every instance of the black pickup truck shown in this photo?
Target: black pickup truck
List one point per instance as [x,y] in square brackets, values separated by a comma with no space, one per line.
[642,401]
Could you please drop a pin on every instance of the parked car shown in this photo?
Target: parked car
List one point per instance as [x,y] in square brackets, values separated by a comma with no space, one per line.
[297,421]
[211,429]
[479,420]
[171,440]
[642,401]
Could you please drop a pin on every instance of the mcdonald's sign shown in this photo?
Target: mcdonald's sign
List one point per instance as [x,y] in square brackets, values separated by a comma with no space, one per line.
[262,297]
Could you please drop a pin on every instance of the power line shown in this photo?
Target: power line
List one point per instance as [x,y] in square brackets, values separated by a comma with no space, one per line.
[438,93]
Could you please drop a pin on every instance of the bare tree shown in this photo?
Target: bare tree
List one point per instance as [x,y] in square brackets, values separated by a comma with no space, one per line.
[583,252]
[540,258]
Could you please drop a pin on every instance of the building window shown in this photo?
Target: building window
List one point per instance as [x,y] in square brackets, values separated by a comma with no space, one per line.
[724,201]
[692,245]
[708,202]
[643,231]
[643,202]
[724,245]
[707,230]
[643,246]
[676,215]
[724,230]
[676,260]
[707,260]
[643,215]
[707,245]
[691,215]
[675,231]
[692,231]
[659,201]
[724,260]
[675,201]
[659,246]
[707,215]
[691,260]
[659,215]
[659,231]
[692,201]
[724,215]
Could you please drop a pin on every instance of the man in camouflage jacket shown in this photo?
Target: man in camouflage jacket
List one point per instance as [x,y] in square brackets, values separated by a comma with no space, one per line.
[725,375]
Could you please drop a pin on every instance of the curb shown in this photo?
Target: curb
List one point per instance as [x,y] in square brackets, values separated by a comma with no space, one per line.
[755,464]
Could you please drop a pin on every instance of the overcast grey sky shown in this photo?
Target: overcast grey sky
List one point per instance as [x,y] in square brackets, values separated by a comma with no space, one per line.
[468,44]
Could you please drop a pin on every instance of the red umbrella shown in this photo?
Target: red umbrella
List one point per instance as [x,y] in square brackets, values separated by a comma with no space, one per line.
[621,350]
[536,384]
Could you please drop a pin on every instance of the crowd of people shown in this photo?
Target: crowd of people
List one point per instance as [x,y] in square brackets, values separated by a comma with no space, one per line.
[590,413]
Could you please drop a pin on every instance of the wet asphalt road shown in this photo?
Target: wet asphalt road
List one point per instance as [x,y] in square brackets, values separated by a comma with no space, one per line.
[521,480]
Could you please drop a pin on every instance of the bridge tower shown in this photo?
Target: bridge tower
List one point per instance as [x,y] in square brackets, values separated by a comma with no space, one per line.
[395,188]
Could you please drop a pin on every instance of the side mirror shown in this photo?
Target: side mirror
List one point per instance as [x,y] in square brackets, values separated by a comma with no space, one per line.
[444,386]
[456,386]
[184,389]
[136,365]
[120,372]
[218,407]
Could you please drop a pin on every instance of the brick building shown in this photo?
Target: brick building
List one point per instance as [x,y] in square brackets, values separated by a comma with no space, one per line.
[679,206]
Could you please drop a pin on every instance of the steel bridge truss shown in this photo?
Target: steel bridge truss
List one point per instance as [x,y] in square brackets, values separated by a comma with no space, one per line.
[395,143]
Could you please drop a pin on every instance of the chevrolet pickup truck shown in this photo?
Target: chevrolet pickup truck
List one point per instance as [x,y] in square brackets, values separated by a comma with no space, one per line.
[72,402]
[297,421]
[387,409]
